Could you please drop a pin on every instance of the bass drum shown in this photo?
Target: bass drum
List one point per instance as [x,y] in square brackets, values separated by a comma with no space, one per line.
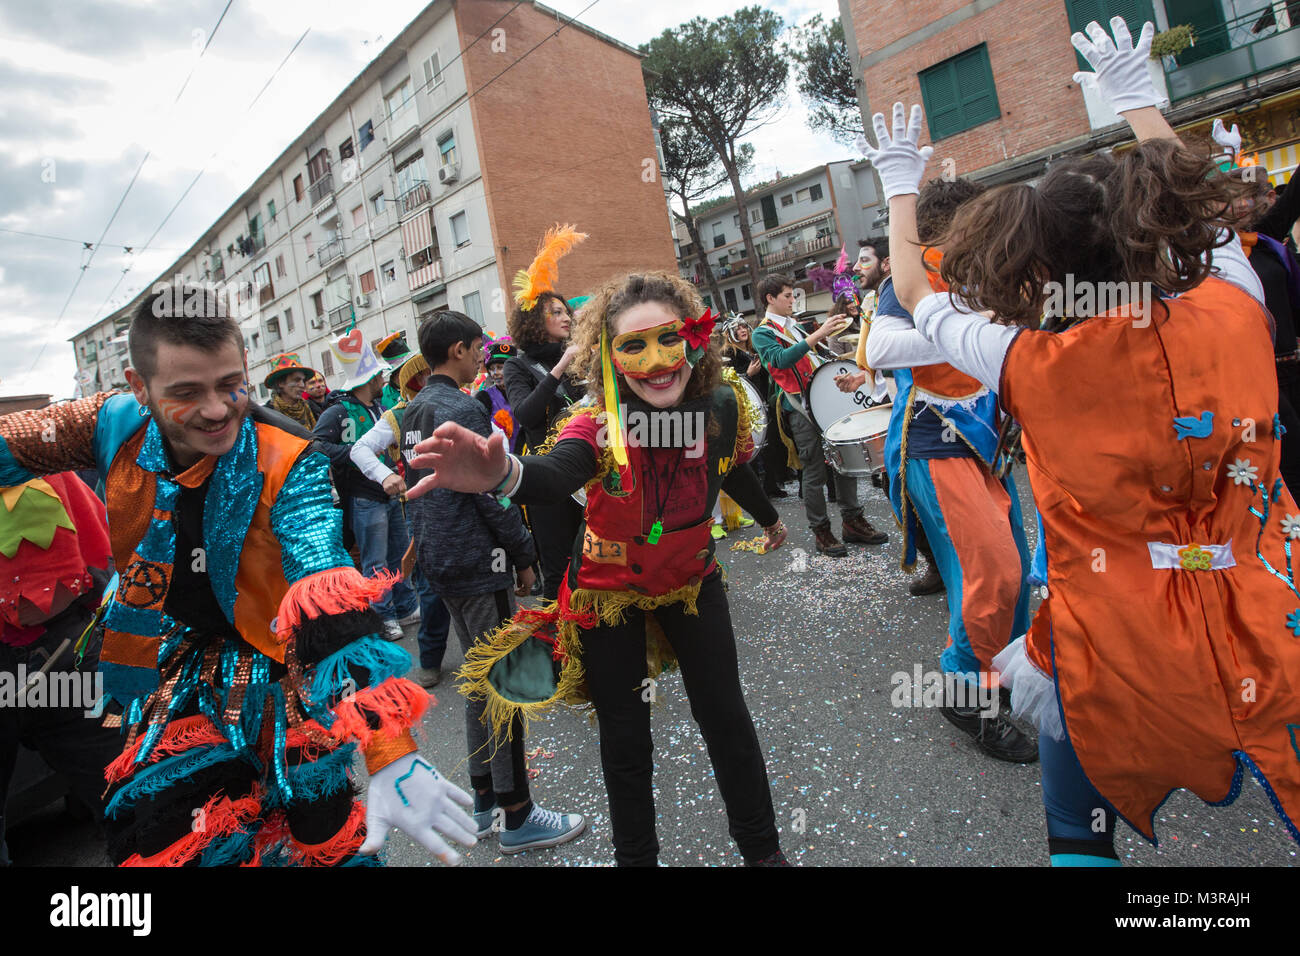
[827,404]
[757,413]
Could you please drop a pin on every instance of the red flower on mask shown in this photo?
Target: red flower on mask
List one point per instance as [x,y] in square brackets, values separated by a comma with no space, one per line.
[696,332]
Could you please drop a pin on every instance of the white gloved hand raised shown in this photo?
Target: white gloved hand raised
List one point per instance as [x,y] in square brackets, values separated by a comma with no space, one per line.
[410,795]
[1229,139]
[1121,68]
[898,160]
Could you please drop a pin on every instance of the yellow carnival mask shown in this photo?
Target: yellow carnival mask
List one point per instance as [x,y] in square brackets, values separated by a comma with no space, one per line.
[650,352]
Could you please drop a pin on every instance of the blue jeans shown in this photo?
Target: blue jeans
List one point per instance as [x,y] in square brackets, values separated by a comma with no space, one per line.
[382,540]
[435,619]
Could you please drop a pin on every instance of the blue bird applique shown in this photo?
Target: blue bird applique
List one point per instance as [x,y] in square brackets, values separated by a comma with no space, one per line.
[1188,427]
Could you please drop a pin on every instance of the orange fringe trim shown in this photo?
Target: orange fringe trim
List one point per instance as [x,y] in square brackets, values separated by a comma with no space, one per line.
[337,848]
[397,702]
[329,592]
[180,736]
[221,817]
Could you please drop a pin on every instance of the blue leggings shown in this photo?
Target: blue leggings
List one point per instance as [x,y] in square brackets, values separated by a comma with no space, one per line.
[1080,823]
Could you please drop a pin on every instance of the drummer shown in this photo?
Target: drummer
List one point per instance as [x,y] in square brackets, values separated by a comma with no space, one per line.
[940,453]
[788,356]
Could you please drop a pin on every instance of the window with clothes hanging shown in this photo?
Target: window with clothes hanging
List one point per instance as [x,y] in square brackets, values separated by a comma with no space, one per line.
[959,94]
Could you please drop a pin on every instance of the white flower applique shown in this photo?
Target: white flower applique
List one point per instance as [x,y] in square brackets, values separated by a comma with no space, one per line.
[1291,526]
[1242,472]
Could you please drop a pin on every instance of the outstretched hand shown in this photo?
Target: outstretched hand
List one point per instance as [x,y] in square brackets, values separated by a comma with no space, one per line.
[461,460]
[411,796]
[897,158]
[1120,67]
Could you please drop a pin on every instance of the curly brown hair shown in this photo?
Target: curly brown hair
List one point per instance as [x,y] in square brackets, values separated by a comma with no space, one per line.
[617,296]
[527,327]
[1148,216]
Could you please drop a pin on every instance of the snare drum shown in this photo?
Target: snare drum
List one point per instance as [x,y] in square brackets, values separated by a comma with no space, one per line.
[855,445]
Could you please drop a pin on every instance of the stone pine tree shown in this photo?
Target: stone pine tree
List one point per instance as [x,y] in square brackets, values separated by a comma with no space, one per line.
[725,78]
[693,171]
[826,79]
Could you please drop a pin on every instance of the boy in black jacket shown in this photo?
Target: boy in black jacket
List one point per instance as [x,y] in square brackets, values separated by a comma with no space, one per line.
[467,546]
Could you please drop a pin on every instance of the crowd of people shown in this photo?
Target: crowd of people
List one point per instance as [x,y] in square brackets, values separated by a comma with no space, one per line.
[555,495]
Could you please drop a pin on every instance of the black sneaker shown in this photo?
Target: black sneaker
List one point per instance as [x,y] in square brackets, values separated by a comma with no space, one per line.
[776,859]
[999,737]
[963,718]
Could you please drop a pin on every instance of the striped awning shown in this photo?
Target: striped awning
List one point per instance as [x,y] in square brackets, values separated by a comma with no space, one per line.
[417,235]
[1280,162]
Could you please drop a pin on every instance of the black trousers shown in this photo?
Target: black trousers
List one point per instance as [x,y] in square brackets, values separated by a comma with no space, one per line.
[614,658]
[555,527]
[1288,402]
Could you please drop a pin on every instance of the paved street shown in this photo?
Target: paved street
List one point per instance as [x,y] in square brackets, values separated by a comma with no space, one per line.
[871,784]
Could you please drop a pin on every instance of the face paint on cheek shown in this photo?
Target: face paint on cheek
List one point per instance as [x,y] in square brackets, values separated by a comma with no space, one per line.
[653,357]
[176,410]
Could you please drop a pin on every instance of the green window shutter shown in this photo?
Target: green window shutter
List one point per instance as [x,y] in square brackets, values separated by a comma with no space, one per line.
[1083,12]
[959,93]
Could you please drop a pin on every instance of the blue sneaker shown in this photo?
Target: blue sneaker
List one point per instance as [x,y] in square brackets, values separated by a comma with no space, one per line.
[485,818]
[543,828]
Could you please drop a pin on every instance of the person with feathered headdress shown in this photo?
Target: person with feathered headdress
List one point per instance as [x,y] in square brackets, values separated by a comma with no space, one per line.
[538,387]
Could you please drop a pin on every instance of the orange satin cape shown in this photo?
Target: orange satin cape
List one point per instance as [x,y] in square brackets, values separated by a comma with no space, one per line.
[1165,676]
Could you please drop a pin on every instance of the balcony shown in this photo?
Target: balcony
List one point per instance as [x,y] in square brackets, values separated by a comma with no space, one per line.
[265,294]
[795,250]
[739,267]
[414,198]
[329,252]
[321,189]
[1238,49]
[340,317]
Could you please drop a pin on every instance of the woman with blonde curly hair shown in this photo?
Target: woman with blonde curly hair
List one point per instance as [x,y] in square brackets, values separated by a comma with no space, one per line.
[666,432]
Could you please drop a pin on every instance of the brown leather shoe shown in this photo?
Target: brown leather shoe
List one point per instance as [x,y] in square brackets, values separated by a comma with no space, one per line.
[859,531]
[826,543]
[928,583]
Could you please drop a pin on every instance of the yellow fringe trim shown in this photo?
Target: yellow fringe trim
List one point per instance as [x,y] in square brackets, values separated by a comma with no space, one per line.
[744,413]
[791,452]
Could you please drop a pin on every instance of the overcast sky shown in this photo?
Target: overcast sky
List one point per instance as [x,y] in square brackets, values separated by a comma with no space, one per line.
[89,87]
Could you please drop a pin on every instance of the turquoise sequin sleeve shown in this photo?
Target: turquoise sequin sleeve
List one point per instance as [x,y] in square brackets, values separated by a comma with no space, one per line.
[304,519]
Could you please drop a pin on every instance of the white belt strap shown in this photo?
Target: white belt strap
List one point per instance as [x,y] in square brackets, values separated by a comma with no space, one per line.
[1191,557]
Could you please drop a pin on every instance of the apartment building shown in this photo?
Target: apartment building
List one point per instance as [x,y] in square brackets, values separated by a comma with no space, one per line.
[427,184]
[995,75]
[796,222]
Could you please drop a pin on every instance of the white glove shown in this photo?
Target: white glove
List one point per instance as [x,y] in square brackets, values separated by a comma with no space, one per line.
[410,795]
[1121,68]
[1230,140]
[897,159]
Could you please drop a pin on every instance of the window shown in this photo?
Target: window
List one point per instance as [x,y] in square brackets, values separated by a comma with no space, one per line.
[719,237]
[280,272]
[358,217]
[471,306]
[744,291]
[756,216]
[735,220]
[410,174]
[959,94]
[309,244]
[377,204]
[395,100]
[447,148]
[368,281]
[288,320]
[815,192]
[345,150]
[326,363]
[389,271]
[272,331]
[298,191]
[432,72]
[801,195]
[787,200]
[319,165]
[460,229]
[366,134]
[255,338]
[318,304]
[270,210]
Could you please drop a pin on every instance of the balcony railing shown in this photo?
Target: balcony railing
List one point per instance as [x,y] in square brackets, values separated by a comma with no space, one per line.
[329,251]
[414,198]
[420,271]
[1240,48]
[797,249]
[340,317]
[321,188]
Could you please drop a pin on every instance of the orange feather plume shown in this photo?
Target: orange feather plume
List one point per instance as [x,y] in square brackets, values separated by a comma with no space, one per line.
[544,272]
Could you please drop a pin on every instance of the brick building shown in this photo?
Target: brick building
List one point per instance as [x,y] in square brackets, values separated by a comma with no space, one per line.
[995,75]
[427,184]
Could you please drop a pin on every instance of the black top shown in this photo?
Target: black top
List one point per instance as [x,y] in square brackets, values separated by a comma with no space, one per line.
[537,398]
[1277,222]
[1277,295]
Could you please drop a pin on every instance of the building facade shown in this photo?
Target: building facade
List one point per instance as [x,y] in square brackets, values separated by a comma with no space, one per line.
[427,184]
[994,76]
[796,221]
